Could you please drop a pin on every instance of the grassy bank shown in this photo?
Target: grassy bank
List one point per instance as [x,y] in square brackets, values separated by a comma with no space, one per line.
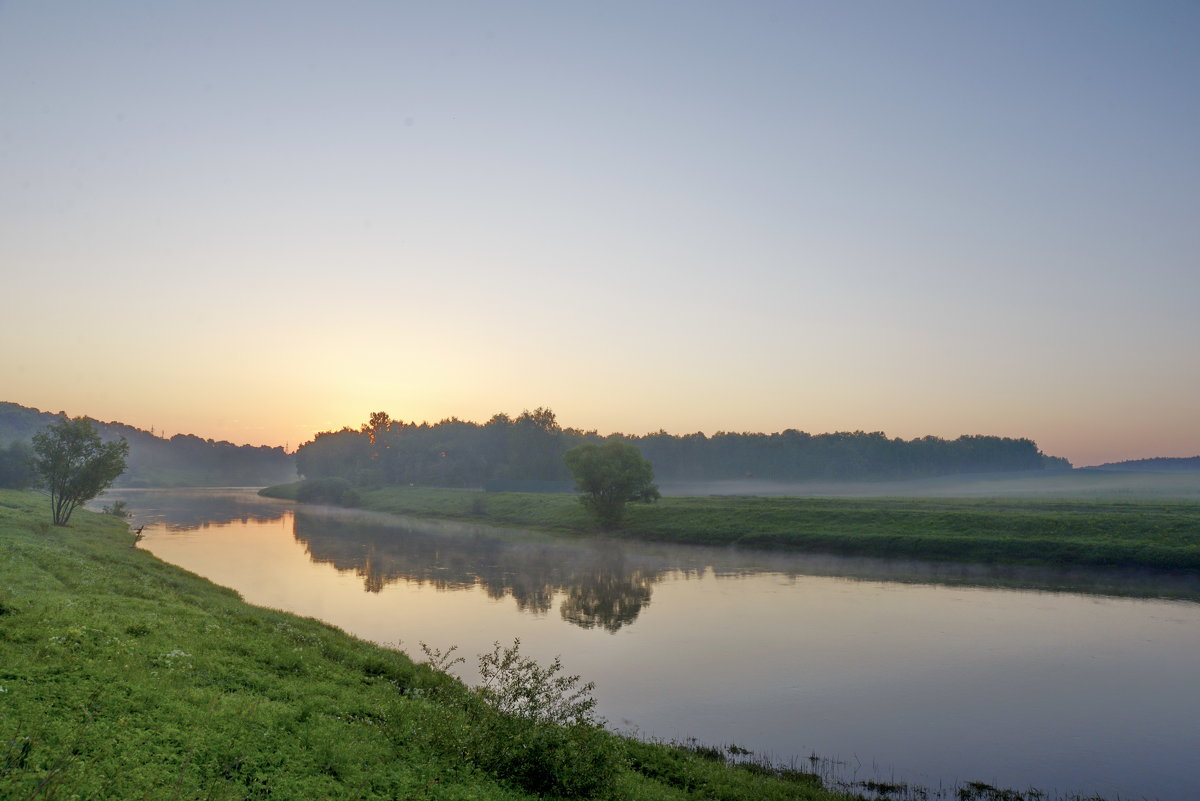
[124,677]
[1147,534]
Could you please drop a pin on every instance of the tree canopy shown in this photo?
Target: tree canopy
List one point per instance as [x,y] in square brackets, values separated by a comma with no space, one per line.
[612,475]
[75,465]
[525,453]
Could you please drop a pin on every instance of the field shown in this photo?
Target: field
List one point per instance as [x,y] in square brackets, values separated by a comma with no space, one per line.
[1127,531]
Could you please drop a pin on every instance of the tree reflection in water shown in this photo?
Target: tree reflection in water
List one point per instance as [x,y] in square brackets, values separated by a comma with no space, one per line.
[604,583]
[607,592]
[601,588]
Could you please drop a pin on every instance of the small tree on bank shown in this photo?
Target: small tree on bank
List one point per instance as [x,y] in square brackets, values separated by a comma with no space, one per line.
[74,465]
[612,475]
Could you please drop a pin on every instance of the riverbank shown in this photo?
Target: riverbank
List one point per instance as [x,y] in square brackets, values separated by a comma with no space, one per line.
[1148,534]
[124,677]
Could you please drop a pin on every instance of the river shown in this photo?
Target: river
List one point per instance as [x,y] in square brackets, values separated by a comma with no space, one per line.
[891,672]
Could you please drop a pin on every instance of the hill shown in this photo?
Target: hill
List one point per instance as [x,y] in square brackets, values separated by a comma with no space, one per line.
[183,460]
[1163,464]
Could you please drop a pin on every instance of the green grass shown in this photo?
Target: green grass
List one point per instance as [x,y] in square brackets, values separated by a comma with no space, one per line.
[124,677]
[1150,534]
[1144,534]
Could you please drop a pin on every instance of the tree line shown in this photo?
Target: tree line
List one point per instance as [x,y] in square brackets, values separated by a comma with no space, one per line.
[526,452]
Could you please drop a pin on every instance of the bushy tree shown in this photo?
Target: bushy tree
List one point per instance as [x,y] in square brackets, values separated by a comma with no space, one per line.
[74,465]
[612,475]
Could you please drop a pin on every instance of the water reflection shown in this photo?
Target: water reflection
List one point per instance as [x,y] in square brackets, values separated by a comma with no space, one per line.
[191,509]
[608,592]
[606,583]
[602,588]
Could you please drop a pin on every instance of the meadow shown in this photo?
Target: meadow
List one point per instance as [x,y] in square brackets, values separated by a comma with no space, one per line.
[1161,534]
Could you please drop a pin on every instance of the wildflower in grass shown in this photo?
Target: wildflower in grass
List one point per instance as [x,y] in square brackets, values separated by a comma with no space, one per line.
[175,659]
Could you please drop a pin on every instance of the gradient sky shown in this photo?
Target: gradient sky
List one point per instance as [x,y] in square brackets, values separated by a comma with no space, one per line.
[256,220]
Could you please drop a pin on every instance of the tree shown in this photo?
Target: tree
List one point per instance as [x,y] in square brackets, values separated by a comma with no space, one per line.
[534,449]
[75,466]
[611,474]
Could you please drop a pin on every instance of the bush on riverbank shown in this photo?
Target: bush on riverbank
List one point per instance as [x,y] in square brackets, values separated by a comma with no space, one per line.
[331,491]
[125,677]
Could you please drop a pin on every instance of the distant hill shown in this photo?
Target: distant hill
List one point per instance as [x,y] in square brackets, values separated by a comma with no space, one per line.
[1164,464]
[183,460]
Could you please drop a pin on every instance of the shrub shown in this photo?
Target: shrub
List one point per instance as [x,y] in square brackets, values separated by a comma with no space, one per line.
[117,509]
[529,725]
[578,760]
[517,685]
[323,490]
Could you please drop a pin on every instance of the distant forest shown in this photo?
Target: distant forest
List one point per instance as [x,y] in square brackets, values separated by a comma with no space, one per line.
[183,460]
[525,452]
[1162,464]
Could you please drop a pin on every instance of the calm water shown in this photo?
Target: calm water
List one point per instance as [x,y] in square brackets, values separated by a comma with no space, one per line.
[907,672]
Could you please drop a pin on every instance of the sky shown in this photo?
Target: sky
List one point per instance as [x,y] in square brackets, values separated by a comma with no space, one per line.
[254,221]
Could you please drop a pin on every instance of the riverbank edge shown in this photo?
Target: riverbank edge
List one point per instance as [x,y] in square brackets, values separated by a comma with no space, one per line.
[1149,535]
[122,676]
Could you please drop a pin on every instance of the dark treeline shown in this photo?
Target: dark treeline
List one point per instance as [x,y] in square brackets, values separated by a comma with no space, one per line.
[183,460]
[1162,464]
[525,451]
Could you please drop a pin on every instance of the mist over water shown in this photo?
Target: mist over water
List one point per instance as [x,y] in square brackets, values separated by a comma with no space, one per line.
[926,673]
